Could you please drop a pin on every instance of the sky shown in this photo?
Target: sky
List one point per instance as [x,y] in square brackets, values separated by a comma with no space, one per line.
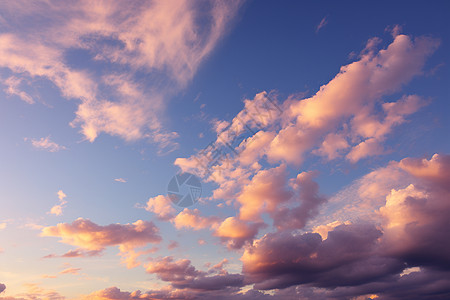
[310,137]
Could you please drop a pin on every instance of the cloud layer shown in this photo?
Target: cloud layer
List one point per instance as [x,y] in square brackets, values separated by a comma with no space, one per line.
[119,40]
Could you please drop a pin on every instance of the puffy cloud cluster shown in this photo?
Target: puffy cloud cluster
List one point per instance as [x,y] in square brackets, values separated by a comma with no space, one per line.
[347,118]
[368,258]
[125,37]
[291,204]
[343,117]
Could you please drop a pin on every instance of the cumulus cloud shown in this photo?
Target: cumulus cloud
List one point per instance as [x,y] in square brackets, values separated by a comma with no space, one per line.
[347,117]
[92,237]
[235,233]
[128,38]
[374,257]
[192,219]
[309,202]
[281,260]
[161,206]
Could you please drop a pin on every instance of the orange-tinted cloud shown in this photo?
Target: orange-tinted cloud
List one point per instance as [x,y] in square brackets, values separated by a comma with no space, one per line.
[189,218]
[46,144]
[161,206]
[90,236]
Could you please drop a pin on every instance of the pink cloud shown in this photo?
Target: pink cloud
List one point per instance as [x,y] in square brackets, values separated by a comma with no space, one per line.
[161,206]
[235,233]
[73,271]
[131,111]
[322,24]
[408,230]
[182,275]
[192,219]
[57,209]
[46,144]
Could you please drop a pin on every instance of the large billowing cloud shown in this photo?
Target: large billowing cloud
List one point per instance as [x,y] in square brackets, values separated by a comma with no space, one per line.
[95,238]
[166,39]
[369,257]
[347,117]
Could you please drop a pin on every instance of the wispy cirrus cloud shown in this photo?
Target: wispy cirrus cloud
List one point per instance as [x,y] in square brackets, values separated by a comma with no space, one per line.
[167,40]
[322,24]
[46,144]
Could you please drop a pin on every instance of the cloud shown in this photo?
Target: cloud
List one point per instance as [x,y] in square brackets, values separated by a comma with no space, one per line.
[182,275]
[236,232]
[73,271]
[35,292]
[92,237]
[76,253]
[161,206]
[322,24]
[309,202]
[282,259]
[12,88]
[370,257]
[415,218]
[119,40]
[57,209]
[192,219]
[264,193]
[46,144]
[173,245]
[347,117]
[434,171]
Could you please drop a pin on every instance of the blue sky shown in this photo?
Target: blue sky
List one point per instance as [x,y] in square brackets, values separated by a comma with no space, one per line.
[104,103]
